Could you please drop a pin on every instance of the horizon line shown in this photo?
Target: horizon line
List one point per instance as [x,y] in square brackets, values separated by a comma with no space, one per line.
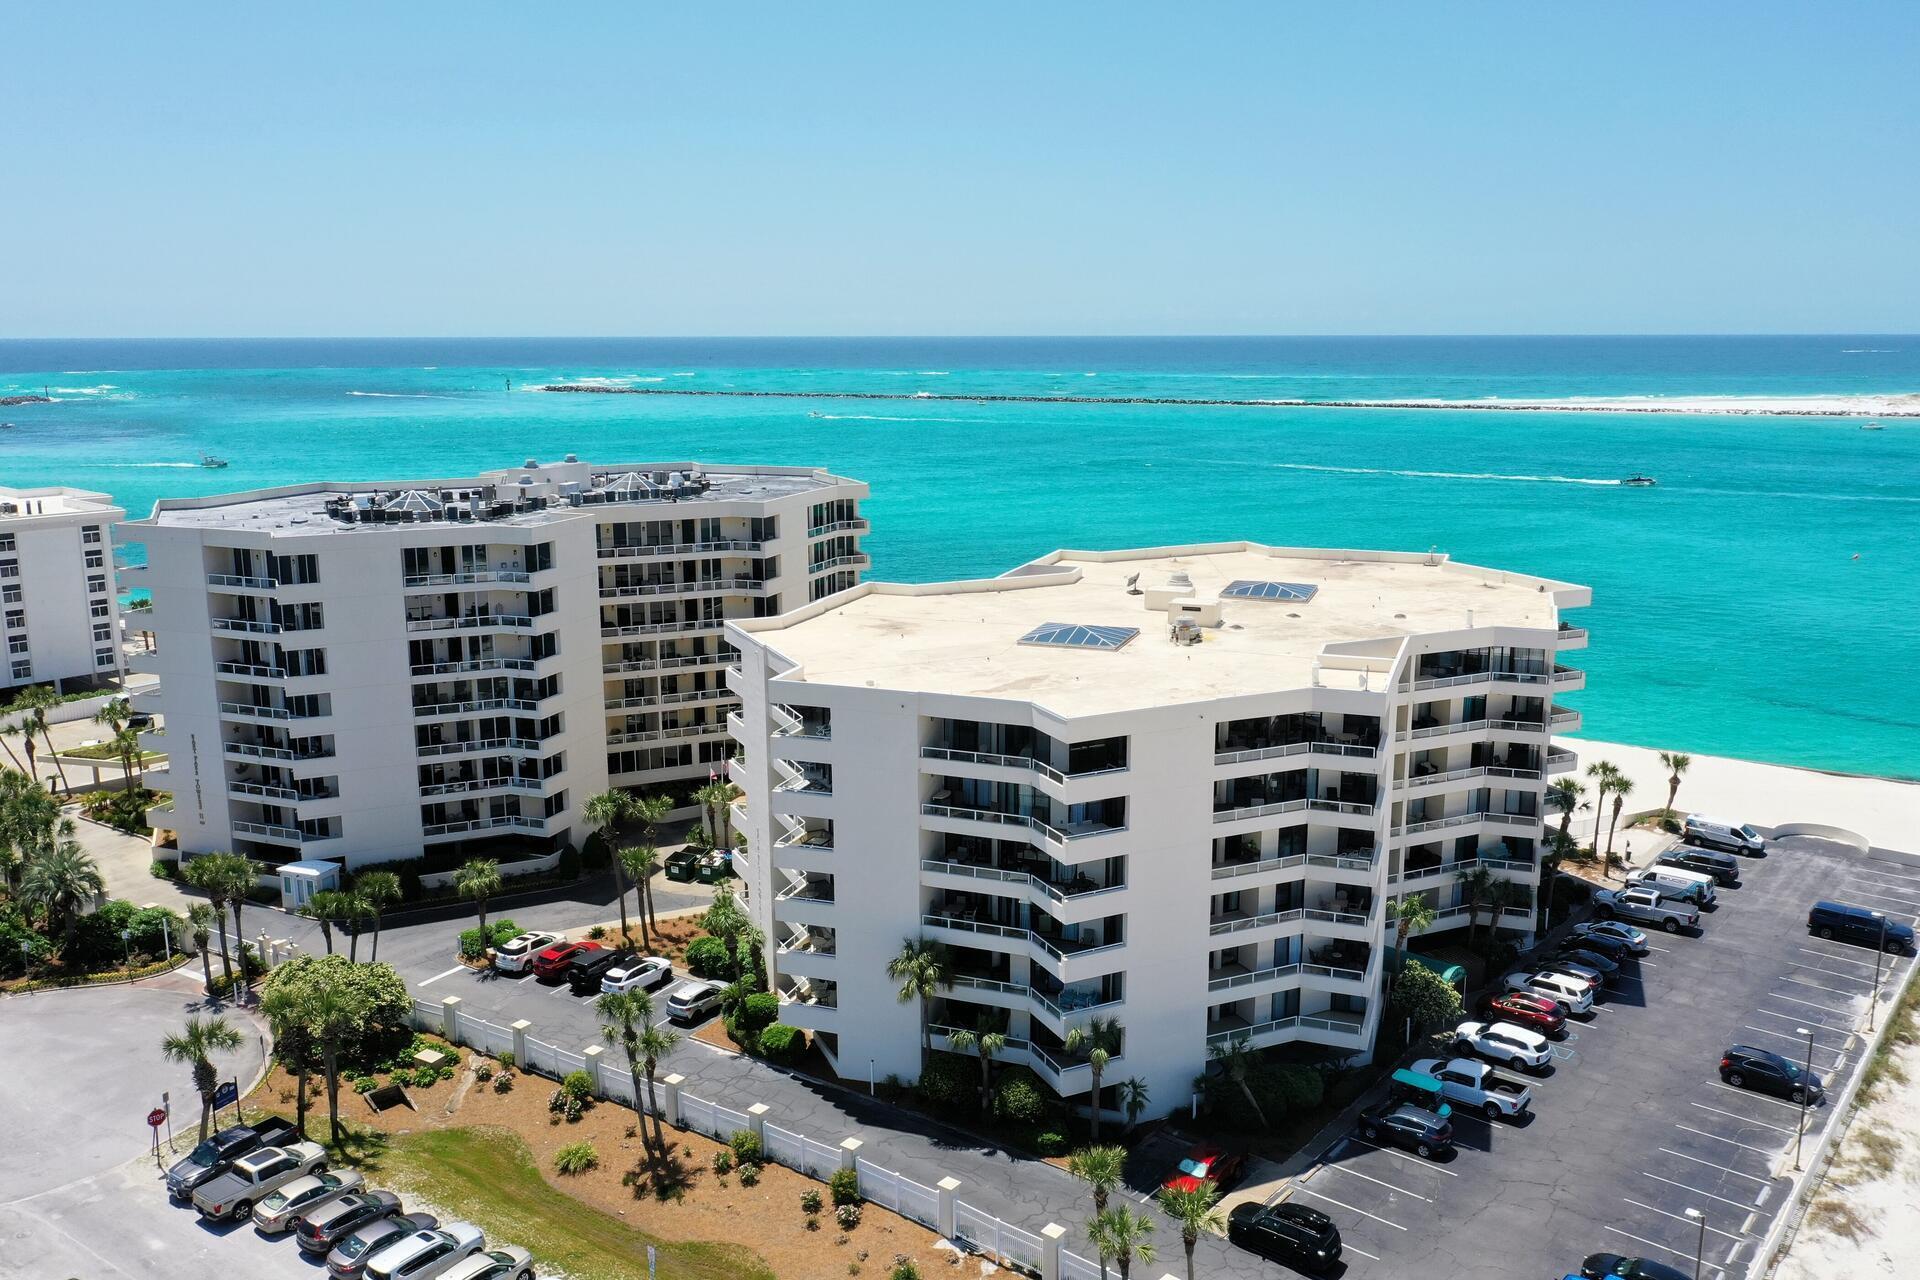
[934,337]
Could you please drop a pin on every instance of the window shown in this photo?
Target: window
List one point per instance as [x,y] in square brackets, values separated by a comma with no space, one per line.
[103,657]
[16,644]
[555,803]
[9,568]
[539,557]
[96,560]
[23,671]
[89,533]
[102,631]
[301,706]
[96,583]
[10,594]
[6,542]
[99,608]
[300,617]
[295,570]
[16,617]
[306,662]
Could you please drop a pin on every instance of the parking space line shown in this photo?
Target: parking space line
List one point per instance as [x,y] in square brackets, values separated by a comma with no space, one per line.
[1842,959]
[1735,1115]
[1377,1182]
[1894,875]
[1744,1146]
[1697,1192]
[1865,979]
[1880,879]
[1748,1093]
[1774,995]
[1751,1177]
[1672,1253]
[1425,1164]
[1661,950]
[1349,1246]
[1802,1019]
[1838,1058]
[448,974]
[1731,1235]
[1817,986]
[1881,897]
[1350,1209]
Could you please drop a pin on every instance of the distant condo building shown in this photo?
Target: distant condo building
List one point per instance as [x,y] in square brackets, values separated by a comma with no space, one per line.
[58,611]
[450,668]
[1172,787]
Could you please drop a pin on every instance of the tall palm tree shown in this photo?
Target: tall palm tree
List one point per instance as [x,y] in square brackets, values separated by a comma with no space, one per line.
[60,883]
[478,879]
[1100,1040]
[1500,894]
[625,1018]
[286,1012]
[985,1040]
[1101,1168]
[641,862]
[1676,763]
[656,1042]
[1474,884]
[333,1011]
[1134,1098]
[204,873]
[195,1045]
[1622,788]
[1560,846]
[1236,1063]
[1407,913]
[603,813]
[650,811]
[328,907]
[728,921]
[200,920]
[378,890]
[30,820]
[1121,1234]
[241,879]
[36,700]
[920,968]
[1196,1210]
[7,728]
[1604,775]
[1564,795]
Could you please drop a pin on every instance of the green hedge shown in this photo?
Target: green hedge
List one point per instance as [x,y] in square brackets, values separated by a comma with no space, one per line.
[707,958]
[781,1043]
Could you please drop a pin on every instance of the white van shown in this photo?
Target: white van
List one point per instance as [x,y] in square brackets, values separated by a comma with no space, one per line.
[1733,837]
[1676,882]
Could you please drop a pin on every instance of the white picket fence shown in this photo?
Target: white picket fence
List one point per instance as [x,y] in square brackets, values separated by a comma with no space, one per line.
[427,1016]
[488,1037]
[799,1152]
[899,1193]
[1075,1267]
[1000,1241]
[710,1118]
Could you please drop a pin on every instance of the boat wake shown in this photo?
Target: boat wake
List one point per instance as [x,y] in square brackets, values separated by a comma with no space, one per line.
[402,395]
[141,466]
[1442,475]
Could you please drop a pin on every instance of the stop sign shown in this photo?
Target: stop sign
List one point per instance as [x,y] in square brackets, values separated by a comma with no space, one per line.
[157,1117]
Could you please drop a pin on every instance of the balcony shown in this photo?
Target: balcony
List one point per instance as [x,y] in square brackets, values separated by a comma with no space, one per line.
[1564,718]
[860,561]
[252,670]
[476,746]
[666,699]
[246,626]
[1234,868]
[1463,819]
[839,526]
[714,625]
[789,723]
[1571,637]
[475,578]
[238,582]
[267,831]
[1247,922]
[476,707]
[514,821]
[1452,680]
[729,547]
[1562,762]
[249,711]
[281,795]
[470,786]
[1076,889]
[671,734]
[810,1004]
[471,666]
[699,586]
[1569,678]
[1239,978]
[472,622]
[661,664]
[1053,950]
[1027,763]
[1347,1030]
[254,751]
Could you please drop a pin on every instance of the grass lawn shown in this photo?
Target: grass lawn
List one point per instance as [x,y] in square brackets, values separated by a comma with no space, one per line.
[105,751]
[487,1176]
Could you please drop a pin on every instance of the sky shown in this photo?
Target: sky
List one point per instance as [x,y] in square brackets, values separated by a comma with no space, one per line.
[1039,168]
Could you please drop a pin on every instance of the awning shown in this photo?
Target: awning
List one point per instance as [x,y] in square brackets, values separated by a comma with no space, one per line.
[1452,974]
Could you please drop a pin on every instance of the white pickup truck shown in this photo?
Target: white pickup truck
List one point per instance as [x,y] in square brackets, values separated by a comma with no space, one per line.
[1477,1085]
[1646,906]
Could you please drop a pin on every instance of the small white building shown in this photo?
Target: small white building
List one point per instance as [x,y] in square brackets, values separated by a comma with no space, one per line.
[58,615]
[1172,787]
[299,881]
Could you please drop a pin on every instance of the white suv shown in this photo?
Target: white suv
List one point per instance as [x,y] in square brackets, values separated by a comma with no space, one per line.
[515,954]
[1572,994]
[1503,1042]
[425,1254]
[641,974]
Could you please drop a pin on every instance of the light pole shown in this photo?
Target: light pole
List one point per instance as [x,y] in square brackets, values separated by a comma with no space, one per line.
[1700,1249]
[1805,1096]
[1879,953]
[126,942]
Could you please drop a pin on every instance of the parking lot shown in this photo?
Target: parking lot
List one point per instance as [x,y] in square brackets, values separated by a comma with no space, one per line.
[1631,1126]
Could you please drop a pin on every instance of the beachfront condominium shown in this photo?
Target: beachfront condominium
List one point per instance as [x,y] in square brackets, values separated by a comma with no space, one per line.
[450,668]
[58,612]
[1173,789]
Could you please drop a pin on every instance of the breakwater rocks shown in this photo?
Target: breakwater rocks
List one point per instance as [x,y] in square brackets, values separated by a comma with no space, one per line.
[1485,406]
[7,402]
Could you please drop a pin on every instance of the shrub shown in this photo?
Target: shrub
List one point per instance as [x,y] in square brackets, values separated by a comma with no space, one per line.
[759,1010]
[781,1043]
[503,1083]
[565,1105]
[845,1185]
[598,932]
[568,868]
[1300,1088]
[904,1270]
[577,1157]
[483,1071]
[506,1061]
[1017,1099]
[749,1174]
[162,870]
[577,1084]
[365,1084]
[847,1215]
[948,1083]
[403,1077]
[746,1146]
[810,1202]
[385,1006]
[1050,1143]
[707,958]
[723,1161]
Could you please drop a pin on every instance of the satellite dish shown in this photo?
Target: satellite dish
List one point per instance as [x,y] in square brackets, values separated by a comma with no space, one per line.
[1132,579]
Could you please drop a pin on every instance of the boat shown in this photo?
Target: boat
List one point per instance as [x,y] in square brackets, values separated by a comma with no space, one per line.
[1638,481]
[208,460]
[1872,426]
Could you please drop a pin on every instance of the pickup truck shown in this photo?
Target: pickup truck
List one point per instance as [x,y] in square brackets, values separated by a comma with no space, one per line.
[1477,1085]
[215,1155]
[233,1193]
[1646,906]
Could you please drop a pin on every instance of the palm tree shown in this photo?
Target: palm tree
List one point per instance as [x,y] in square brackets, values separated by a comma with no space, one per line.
[637,863]
[329,907]
[1499,895]
[241,879]
[293,1045]
[1196,1210]
[478,879]
[61,882]
[9,727]
[126,742]
[650,811]
[625,1017]
[377,889]
[1100,1041]
[225,878]
[200,920]
[656,1042]
[1101,1168]
[1604,776]
[1560,846]
[204,873]
[1474,884]
[1408,913]
[921,970]
[333,1012]
[986,1040]
[1622,788]
[1236,1063]
[36,700]
[1133,1099]
[1121,1234]
[195,1046]
[603,813]
[1564,795]
[728,921]
[30,820]
[1676,763]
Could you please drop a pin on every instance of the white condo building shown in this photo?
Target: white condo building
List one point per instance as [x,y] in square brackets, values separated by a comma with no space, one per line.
[1172,787]
[58,612]
[366,672]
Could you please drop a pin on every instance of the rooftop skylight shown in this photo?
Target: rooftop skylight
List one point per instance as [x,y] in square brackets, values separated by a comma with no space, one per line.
[1250,589]
[1073,635]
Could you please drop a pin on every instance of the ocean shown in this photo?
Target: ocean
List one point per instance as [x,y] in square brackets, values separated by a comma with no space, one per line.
[1759,602]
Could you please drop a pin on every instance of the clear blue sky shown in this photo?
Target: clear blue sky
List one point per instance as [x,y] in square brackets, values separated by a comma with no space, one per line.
[632,168]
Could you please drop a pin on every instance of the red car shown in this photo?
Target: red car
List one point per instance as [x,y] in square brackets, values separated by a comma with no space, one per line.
[553,962]
[1535,1012]
[1207,1164]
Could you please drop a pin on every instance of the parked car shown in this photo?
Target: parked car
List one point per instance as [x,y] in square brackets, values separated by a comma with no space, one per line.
[216,1154]
[1503,1042]
[1527,1009]
[1723,867]
[1676,882]
[349,1258]
[277,1211]
[1647,906]
[585,970]
[681,865]
[1599,943]
[1733,837]
[693,1000]
[1594,978]
[515,954]
[1573,995]
[1405,1125]
[425,1254]
[1475,1084]
[1765,1071]
[321,1229]
[1205,1164]
[1839,922]
[1573,952]
[253,1176]
[1288,1233]
[637,973]
[1600,1266]
[509,1262]
[553,962]
[1614,931]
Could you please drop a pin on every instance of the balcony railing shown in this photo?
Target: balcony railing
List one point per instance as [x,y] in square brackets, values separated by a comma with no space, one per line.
[999,761]
[1561,761]
[518,821]
[1252,977]
[472,665]
[474,707]
[839,526]
[662,628]
[1061,893]
[699,586]
[1242,924]
[475,578]
[1571,635]
[841,562]
[247,626]
[474,622]
[430,749]
[482,784]
[242,581]
[680,549]
[666,735]
[1231,870]
[661,664]
[1475,677]
[267,831]
[1322,746]
[286,794]
[258,671]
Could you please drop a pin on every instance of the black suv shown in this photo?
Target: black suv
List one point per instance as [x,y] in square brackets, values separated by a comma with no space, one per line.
[1745,1067]
[1723,867]
[586,969]
[1414,1128]
[1286,1233]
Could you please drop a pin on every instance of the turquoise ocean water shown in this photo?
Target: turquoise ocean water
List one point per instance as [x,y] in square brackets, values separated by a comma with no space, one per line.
[1763,601]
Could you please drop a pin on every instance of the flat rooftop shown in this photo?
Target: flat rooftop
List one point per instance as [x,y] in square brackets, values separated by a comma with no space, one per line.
[30,504]
[965,637]
[532,494]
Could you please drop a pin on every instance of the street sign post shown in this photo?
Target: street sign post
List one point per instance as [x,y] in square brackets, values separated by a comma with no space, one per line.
[228,1092]
[156,1118]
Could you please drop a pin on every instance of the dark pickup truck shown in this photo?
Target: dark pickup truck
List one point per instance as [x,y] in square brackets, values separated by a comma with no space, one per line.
[216,1154]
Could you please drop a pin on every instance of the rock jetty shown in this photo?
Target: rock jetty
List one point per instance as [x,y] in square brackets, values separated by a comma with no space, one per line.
[7,402]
